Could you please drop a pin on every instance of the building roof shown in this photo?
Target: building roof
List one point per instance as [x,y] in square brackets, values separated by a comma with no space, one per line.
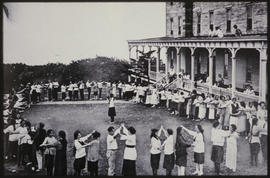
[203,38]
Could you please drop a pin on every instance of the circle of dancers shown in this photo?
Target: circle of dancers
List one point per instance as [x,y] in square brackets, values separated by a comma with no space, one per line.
[35,148]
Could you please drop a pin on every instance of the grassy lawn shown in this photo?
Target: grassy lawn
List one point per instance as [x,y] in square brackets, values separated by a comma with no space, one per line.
[87,117]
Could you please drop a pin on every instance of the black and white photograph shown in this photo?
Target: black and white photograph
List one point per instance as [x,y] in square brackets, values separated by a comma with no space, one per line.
[166,88]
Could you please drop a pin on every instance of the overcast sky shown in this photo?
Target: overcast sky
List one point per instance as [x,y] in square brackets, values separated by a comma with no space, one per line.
[39,33]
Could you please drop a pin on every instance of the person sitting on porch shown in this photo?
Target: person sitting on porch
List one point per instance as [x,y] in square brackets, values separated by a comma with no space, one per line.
[220,81]
[218,32]
[229,86]
[249,90]
[211,32]
[237,31]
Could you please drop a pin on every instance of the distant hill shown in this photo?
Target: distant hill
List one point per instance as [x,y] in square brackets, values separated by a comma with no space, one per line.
[99,68]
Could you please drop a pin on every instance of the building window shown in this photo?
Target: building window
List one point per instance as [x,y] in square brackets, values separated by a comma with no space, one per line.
[249,17]
[211,20]
[228,19]
[171,3]
[226,64]
[249,70]
[198,23]
[179,25]
[171,20]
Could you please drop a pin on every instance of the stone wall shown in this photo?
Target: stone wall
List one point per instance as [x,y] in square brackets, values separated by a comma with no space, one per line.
[238,16]
[174,11]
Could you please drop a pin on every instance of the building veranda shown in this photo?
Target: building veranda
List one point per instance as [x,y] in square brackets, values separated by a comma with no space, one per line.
[241,61]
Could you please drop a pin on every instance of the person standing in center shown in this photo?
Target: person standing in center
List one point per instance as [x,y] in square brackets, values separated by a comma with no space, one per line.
[111,111]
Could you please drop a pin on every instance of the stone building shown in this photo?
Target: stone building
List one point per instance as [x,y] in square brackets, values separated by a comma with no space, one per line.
[240,60]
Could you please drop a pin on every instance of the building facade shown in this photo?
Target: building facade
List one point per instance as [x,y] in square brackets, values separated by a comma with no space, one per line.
[240,60]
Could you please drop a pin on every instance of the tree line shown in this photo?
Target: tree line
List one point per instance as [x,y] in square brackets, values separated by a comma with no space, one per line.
[99,68]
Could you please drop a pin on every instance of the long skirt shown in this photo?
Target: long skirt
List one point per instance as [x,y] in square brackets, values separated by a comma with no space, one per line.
[155,158]
[254,148]
[231,156]
[196,114]
[202,111]
[212,113]
[222,116]
[217,154]
[169,161]
[129,168]
[111,112]
[198,158]
[79,163]
[148,99]
[241,124]
[234,120]
[226,121]
[181,160]
[173,105]
[182,111]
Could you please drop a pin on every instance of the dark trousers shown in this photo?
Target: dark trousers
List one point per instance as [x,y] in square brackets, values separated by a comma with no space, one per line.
[82,94]
[89,92]
[264,146]
[49,161]
[100,92]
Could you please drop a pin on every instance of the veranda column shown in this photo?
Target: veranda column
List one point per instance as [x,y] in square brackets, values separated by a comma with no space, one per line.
[192,68]
[177,61]
[157,63]
[233,75]
[263,74]
[166,64]
[210,58]
[149,63]
[129,52]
